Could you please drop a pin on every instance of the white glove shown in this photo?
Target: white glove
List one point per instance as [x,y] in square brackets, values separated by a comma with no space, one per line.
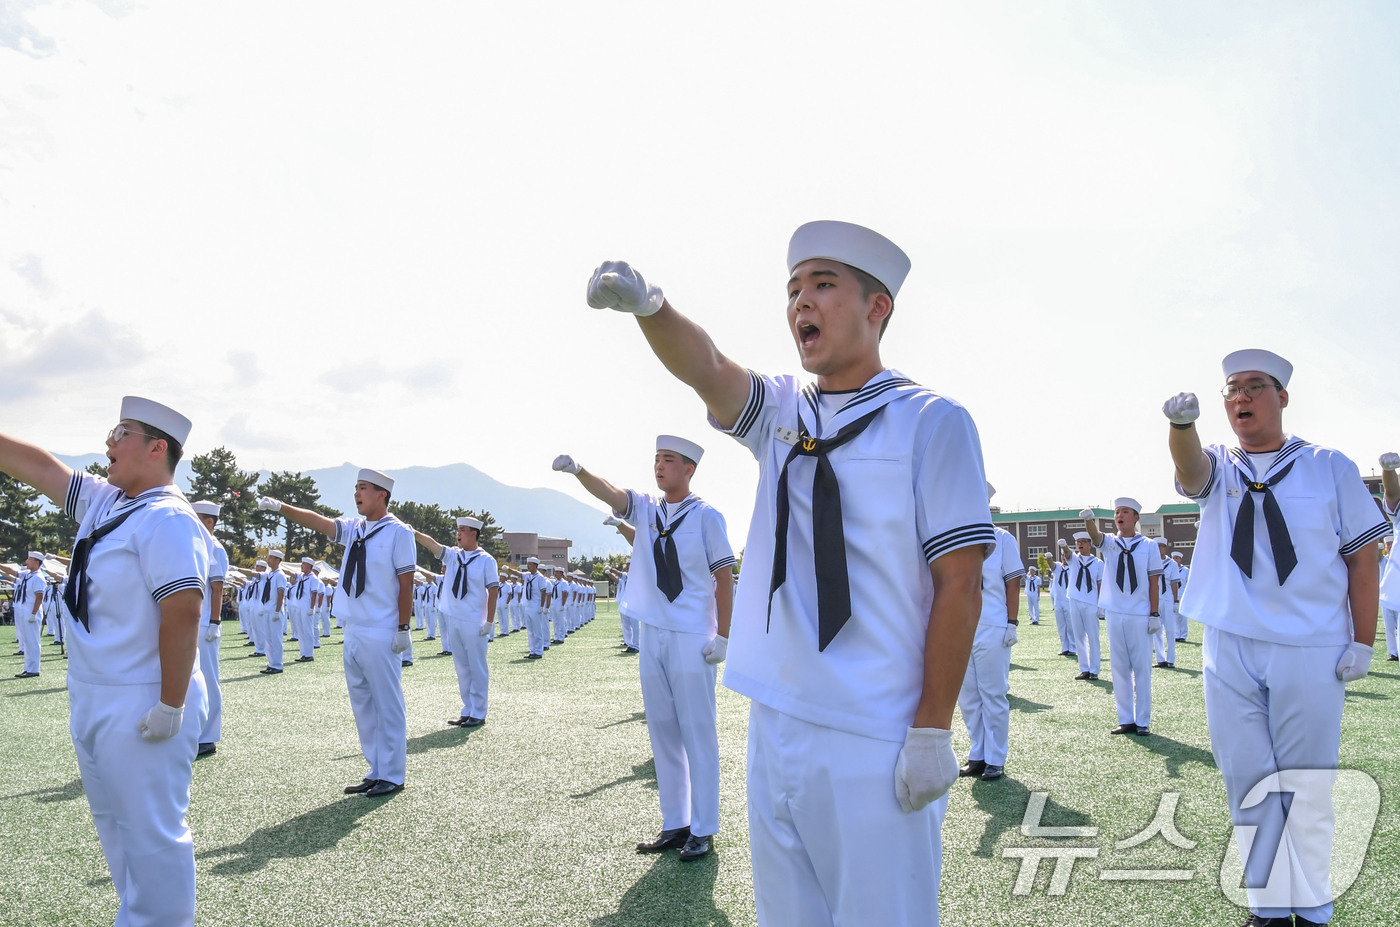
[615,285]
[1390,461]
[1086,513]
[612,521]
[1062,543]
[716,650]
[1153,624]
[926,768]
[269,504]
[567,464]
[401,642]
[33,617]
[213,632]
[160,723]
[1355,663]
[1182,409]
[1010,637]
[1101,614]
[486,628]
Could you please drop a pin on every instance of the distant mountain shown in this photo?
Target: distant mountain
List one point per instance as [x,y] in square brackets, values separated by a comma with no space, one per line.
[543,511]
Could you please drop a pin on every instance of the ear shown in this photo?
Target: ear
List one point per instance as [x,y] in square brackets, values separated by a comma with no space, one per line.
[878,307]
[1283,399]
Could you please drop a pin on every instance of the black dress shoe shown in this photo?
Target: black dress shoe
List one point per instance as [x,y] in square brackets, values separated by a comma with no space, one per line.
[666,840]
[458,722]
[1129,728]
[25,675]
[473,722]
[383,787]
[303,659]
[1392,658]
[206,749]
[1085,675]
[1301,921]
[1142,732]
[1093,675]
[269,671]
[992,773]
[973,768]
[1254,920]
[364,785]
[695,847]
[1162,665]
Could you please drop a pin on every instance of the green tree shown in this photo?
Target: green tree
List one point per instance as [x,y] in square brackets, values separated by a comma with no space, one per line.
[492,537]
[430,519]
[301,491]
[19,507]
[218,479]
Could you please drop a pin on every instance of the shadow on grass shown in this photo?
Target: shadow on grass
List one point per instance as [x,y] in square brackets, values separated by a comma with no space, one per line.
[36,692]
[636,716]
[1026,705]
[673,893]
[67,792]
[304,835]
[1004,801]
[1179,670]
[440,740]
[228,679]
[1371,695]
[1175,753]
[1018,666]
[642,772]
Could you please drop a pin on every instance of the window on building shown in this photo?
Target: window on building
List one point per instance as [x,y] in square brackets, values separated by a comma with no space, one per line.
[1183,544]
[1033,552]
[1183,520]
[1151,531]
[1036,531]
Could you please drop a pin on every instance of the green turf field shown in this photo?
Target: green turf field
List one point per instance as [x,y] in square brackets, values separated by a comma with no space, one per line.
[531,819]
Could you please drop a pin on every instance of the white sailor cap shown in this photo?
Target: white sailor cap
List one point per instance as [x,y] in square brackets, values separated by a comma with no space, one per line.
[1032,569]
[376,478]
[35,555]
[468,522]
[1082,536]
[274,553]
[308,561]
[204,507]
[261,563]
[1260,360]
[851,244]
[157,416]
[1127,502]
[991,490]
[534,560]
[680,446]
[1176,555]
[1163,542]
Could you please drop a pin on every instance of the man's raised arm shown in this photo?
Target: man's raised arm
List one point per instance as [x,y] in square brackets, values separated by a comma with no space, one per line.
[35,467]
[601,489]
[303,517]
[682,346]
[432,546]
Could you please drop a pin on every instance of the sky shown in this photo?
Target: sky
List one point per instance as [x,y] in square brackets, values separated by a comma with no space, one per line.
[356,232]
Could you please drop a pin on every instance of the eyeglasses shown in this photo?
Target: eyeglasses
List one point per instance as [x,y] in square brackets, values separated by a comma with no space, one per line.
[121,431]
[1232,392]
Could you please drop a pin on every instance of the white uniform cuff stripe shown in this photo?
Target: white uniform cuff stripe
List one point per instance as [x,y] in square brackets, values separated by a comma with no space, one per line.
[178,585]
[1370,537]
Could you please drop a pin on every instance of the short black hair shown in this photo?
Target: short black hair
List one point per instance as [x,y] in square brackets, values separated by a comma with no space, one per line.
[1277,385]
[689,461]
[869,286]
[173,450]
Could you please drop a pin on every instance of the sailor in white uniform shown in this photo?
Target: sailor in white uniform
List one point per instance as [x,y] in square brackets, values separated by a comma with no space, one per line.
[1182,571]
[1390,574]
[629,624]
[301,601]
[272,596]
[1169,597]
[255,609]
[1285,580]
[375,603]
[536,590]
[30,589]
[871,496]
[211,625]
[983,700]
[682,594]
[470,590]
[1032,594]
[1059,599]
[1129,596]
[135,692]
[1085,576]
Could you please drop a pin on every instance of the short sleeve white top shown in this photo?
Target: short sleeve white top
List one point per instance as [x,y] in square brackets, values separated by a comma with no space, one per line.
[1085,573]
[218,572]
[1140,558]
[702,547]
[390,552]
[1390,572]
[1329,514]
[482,575]
[159,550]
[912,489]
[1000,568]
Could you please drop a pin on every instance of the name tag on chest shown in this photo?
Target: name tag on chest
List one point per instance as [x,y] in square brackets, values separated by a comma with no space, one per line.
[785,435]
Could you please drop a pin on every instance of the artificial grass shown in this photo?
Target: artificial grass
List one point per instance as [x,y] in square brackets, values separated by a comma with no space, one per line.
[532,818]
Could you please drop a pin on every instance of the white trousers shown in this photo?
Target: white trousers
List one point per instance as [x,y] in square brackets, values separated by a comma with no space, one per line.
[983,700]
[1064,626]
[27,631]
[1033,608]
[830,845]
[1164,641]
[1388,615]
[536,624]
[678,694]
[274,625]
[1084,618]
[258,614]
[517,616]
[1182,624]
[302,629]
[139,794]
[373,674]
[629,630]
[444,625]
[1271,707]
[212,730]
[469,657]
[556,616]
[1130,658]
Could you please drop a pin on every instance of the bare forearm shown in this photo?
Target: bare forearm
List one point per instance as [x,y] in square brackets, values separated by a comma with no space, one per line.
[35,467]
[216,597]
[1192,465]
[957,603]
[491,604]
[724,601]
[628,532]
[688,352]
[1013,600]
[1095,535]
[1363,593]
[1391,482]
[432,546]
[603,491]
[405,598]
[308,519]
[178,643]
